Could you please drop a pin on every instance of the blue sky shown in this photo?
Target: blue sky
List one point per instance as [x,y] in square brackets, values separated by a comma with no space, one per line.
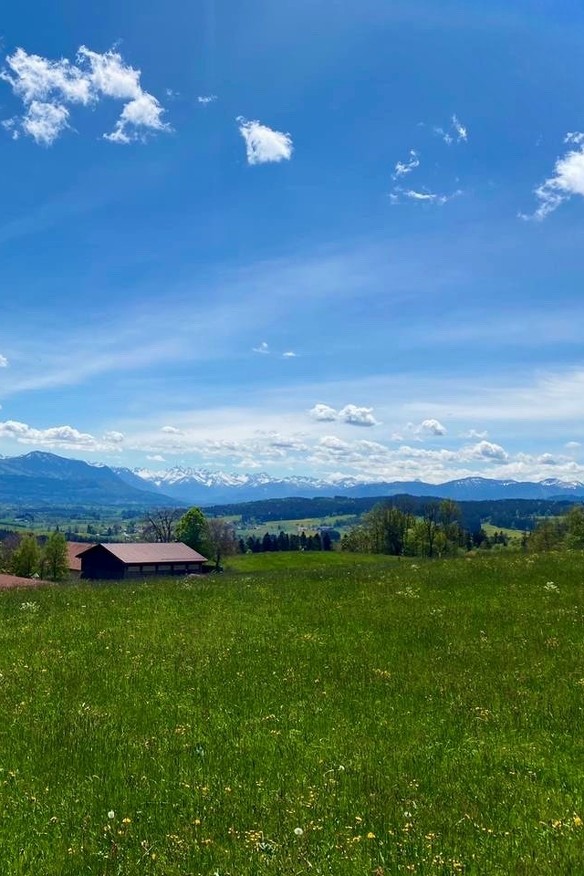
[310,238]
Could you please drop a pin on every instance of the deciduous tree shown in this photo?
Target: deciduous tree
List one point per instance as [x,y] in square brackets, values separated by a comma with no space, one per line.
[54,561]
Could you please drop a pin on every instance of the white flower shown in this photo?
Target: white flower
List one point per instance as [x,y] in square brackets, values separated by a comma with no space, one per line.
[551,587]
[111,814]
[298,831]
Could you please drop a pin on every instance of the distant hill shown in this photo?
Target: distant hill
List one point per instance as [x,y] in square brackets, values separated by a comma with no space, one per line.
[203,487]
[45,478]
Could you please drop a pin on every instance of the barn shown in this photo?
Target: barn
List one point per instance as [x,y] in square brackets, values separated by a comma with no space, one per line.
[138,560]
[74,548]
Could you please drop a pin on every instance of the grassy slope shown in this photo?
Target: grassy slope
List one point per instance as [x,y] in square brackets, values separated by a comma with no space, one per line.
[408,717]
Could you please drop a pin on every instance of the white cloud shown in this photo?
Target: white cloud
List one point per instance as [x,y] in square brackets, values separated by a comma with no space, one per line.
[206,99]
[427,196]
[289,354]
[45,121]
[402,168]
[461,130]
[263,144]
[144,113]
[456,131]
[64,437]
[429,428]
[114,437]
[357,416]
[572,445]
[264,348]
[351,414]
[3,361]
[323,413]
[47,87]
[472,433]
[170,430]
[156,458]
[487,451]
[567,180]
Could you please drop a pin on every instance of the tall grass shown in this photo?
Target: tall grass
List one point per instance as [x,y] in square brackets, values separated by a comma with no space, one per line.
[299,714]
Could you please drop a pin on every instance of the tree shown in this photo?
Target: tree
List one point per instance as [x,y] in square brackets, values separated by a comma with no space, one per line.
[26,558]
[54,562]
[221,538]
[192,529]
[162,524]
[575,527]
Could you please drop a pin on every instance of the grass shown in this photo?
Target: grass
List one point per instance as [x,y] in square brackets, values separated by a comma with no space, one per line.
[328,715]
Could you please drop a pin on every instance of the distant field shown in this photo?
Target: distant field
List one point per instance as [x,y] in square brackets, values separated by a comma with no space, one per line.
[309,525]
[514,535]
[300,714]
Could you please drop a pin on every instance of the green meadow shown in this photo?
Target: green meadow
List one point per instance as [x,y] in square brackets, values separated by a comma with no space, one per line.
[300,714]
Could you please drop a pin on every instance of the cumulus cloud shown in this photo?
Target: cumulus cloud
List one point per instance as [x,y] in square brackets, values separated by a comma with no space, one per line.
[357,416]
[429,428]
[156,457]
[402,168]
[567,180]
[170,430]
[3,361]
[264,145]
[47,88]
[64,437]
[472,433]
[324,413]
[351,414]
[486,451]
[114,437]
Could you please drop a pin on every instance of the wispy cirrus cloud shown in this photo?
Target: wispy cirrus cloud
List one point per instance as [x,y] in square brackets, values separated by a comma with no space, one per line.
[402,168]
[263,144]
[263,348]
[456,132]
[48,88]
[424,196]
[206,99]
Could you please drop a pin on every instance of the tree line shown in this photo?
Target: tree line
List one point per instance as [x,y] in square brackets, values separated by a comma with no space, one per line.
[285,541]
[28,557]
[566,531]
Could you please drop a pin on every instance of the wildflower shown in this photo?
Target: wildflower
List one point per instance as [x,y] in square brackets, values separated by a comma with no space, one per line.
[577,821]
[370,835]
[551,587]
[111,814]
[298,831]
[126,820]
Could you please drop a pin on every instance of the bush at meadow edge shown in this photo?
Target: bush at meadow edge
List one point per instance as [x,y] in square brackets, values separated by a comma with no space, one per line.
[331,714]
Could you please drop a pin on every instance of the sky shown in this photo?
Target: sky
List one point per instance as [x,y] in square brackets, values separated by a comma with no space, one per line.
[338,239]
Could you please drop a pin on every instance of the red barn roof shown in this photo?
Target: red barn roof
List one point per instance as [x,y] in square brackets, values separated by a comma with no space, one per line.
[74,548]
[150,552]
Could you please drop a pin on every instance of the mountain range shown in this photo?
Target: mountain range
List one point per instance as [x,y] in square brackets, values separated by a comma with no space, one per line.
[46,478]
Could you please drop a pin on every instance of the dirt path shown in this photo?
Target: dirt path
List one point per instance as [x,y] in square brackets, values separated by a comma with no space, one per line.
[8,582]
